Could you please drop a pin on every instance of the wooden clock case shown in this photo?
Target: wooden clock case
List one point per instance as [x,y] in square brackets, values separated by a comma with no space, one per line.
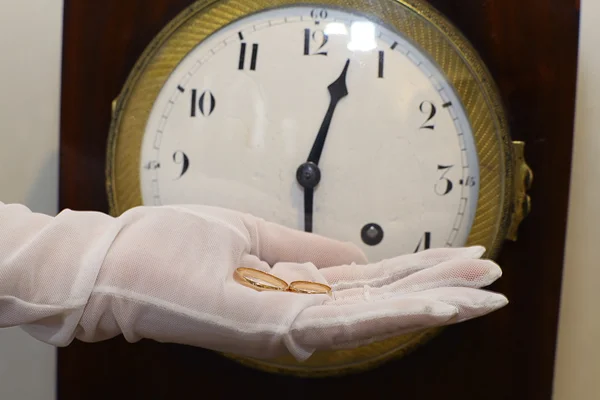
[530,48]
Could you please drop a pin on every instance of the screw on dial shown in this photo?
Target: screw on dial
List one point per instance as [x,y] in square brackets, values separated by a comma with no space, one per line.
[372,234]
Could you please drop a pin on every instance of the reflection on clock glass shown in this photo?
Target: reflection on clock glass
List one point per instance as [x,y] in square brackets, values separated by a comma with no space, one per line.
[320,120]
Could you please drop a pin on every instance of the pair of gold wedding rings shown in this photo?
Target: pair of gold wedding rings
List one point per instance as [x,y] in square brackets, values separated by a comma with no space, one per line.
[262,281]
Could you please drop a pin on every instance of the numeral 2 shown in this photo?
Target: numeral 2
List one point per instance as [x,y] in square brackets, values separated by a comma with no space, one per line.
[425,242]
[432,111]
[253,58]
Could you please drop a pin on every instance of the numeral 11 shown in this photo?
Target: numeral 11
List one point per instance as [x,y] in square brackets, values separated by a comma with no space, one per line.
[253,59]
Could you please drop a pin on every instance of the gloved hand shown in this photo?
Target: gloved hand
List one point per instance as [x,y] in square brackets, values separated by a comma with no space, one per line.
[166,273]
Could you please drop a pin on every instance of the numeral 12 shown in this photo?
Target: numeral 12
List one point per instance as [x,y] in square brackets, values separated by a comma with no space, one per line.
[319,37]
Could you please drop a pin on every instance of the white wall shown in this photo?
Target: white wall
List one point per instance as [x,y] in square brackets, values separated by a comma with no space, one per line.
[30,49]
[577,375]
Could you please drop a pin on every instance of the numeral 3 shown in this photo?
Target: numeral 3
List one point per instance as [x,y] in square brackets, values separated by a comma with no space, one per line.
[445,185]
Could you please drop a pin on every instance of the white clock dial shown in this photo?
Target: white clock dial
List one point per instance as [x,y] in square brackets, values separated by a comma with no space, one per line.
[242,112]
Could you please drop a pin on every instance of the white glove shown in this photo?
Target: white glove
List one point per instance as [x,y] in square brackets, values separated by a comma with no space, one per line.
[166,273]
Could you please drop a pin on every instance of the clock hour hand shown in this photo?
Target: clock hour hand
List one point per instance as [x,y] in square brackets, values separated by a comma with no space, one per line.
[308,209]
[309,174]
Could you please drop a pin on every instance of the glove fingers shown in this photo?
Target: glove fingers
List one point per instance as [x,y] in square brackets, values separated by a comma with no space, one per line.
[388,271]
[338,326]
[470,303]
[472,273]
[275,243]
[331,326]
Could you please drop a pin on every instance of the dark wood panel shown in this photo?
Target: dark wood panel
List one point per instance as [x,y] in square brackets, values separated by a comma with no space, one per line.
[530,48]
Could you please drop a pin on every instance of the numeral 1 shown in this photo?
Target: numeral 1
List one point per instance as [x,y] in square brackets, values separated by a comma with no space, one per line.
[253,58]
[381,63]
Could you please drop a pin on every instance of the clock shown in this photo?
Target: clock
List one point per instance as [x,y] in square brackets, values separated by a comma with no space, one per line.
[373,122]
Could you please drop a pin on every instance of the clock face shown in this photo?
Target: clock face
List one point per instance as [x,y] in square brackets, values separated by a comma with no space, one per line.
[263,108]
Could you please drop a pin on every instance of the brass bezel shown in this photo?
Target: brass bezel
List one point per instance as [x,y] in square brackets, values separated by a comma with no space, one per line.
[415,19]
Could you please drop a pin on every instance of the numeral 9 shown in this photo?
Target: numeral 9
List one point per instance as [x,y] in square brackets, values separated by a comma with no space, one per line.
[179,157]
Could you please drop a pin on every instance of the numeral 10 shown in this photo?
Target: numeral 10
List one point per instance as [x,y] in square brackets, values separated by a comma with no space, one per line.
[205,104]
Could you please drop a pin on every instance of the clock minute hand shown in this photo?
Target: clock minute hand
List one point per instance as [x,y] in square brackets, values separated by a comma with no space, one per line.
[337,91]
[309,174]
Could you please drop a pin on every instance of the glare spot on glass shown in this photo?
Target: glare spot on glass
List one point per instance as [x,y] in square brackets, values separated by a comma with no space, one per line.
[362,36]
[336,28]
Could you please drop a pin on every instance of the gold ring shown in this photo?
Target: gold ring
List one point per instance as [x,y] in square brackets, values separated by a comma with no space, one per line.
[258,280]
[309,288]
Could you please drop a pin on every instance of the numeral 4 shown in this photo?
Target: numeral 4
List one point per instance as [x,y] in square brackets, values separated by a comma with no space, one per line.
[424,243]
